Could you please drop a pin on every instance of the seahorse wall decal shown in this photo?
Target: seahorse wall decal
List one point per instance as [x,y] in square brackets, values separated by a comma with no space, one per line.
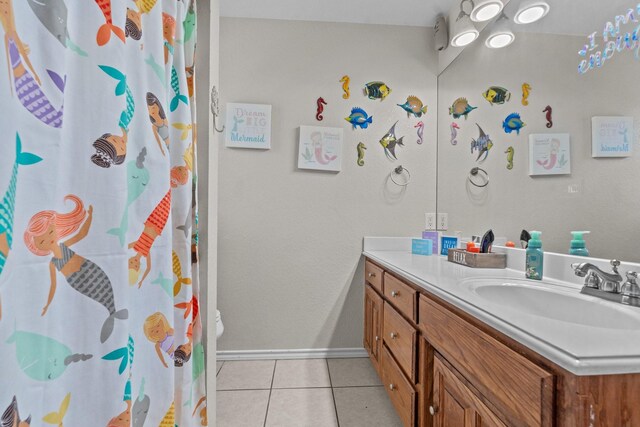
[345,80]
[526,90]
[549,111]
[320,104]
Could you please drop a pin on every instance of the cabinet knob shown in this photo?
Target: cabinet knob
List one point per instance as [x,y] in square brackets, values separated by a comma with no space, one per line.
[372,274]
[393,335]
[392,387]
[433,410]
[377,338]
[395,293]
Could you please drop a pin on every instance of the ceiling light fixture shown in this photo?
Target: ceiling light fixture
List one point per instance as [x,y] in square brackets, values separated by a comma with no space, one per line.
[531,11]
[484,10]
[464,32]
[500,35]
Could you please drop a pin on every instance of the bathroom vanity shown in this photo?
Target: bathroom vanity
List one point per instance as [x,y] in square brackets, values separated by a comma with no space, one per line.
[449,358]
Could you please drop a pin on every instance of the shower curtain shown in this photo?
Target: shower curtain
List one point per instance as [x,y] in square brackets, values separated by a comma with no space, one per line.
[99,310]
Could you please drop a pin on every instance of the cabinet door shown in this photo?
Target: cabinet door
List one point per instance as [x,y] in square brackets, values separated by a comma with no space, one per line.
[373,325]
[454,405]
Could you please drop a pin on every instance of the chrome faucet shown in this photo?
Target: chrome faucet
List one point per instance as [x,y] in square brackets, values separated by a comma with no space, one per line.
[609,286]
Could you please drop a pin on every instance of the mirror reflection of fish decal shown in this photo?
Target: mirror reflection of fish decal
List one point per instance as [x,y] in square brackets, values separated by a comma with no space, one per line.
[483,144]
[389,142]
[460,107]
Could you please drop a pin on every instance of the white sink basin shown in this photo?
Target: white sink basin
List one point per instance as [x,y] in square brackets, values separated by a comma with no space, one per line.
[564,304]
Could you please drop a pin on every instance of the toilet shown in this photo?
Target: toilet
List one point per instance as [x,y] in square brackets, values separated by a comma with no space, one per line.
[219,325]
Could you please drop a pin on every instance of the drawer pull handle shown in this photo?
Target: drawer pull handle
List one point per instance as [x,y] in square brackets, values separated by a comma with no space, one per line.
[433,410]
[372,274]
[377,338]
[392,387]
[395,293]
[393,335]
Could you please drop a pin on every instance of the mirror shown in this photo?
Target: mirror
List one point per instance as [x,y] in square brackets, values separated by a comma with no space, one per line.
[551,181]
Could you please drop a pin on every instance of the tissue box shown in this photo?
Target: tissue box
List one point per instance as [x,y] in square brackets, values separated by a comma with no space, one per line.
[422,247]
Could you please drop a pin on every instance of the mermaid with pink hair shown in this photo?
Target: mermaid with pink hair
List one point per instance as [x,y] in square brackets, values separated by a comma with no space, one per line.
[25,79]
[43,237]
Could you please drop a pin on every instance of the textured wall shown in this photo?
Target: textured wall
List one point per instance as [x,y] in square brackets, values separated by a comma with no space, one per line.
[607,202]
[290,273]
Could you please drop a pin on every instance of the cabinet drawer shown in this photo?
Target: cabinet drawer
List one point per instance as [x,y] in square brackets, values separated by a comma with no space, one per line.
[520,390]
[401,295]
[400,337]
[373,275]
[400,391]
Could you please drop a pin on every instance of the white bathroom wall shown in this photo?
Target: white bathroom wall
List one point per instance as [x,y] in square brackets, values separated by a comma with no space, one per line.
[606,199]
[290,270]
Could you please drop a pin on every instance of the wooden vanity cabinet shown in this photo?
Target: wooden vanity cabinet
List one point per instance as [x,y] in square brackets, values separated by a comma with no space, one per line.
[373,306]
[444,368]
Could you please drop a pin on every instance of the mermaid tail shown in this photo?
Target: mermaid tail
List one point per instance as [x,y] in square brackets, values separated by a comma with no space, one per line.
[105,30]
[31,96]
[175,85]
[107,326]
[322,158]
[7,206]
[122,88]
[124,354]
[122,229]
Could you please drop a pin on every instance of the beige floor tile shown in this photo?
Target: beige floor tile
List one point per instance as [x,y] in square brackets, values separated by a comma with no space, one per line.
[241,408]
[245,375]
[365,407]
[218,366]
[352,373]
[310,407]
[301,374]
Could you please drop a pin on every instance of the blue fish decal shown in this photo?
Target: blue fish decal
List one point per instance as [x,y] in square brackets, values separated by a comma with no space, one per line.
[483,144]
[7,205]
[359,118]
[513,122]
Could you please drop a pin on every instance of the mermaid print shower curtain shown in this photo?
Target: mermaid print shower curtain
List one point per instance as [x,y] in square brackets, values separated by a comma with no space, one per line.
[99,309]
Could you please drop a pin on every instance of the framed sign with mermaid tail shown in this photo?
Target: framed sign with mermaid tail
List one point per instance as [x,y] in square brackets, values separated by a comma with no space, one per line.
[550,154]
[320,148]
[248,126]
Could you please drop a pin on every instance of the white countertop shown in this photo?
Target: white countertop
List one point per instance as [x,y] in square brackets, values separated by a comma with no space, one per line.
[578,348]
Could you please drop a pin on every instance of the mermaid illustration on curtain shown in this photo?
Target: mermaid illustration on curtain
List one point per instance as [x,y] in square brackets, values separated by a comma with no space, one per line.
[43,237]
[27,84]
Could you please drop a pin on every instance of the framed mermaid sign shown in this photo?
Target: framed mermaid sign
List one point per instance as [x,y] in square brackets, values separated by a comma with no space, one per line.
[320,148]
[248,126]
[550,154]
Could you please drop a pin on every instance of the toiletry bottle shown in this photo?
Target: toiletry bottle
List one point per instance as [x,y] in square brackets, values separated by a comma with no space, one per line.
[578,245]
[535,257]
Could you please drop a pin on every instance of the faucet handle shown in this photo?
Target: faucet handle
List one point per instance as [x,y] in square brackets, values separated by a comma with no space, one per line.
[630,288]
[615,264]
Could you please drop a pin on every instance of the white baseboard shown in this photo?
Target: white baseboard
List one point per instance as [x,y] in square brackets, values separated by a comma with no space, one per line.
[315,353]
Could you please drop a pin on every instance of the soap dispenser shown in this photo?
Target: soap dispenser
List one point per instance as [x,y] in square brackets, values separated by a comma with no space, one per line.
[578,245]
[534,257]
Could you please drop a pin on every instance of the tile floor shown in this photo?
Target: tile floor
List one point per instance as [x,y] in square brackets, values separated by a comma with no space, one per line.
[302,393]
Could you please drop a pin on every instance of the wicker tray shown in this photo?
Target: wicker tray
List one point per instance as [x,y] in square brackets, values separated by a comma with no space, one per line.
[473,260]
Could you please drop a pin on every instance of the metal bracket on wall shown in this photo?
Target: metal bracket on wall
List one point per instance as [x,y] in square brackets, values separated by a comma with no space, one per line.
[215,108]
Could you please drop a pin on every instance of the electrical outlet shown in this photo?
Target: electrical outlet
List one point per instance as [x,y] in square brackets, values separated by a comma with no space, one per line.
[430,221]
[443,221]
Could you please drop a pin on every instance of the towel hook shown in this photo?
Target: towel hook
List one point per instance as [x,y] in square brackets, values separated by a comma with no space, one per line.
[215,108]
